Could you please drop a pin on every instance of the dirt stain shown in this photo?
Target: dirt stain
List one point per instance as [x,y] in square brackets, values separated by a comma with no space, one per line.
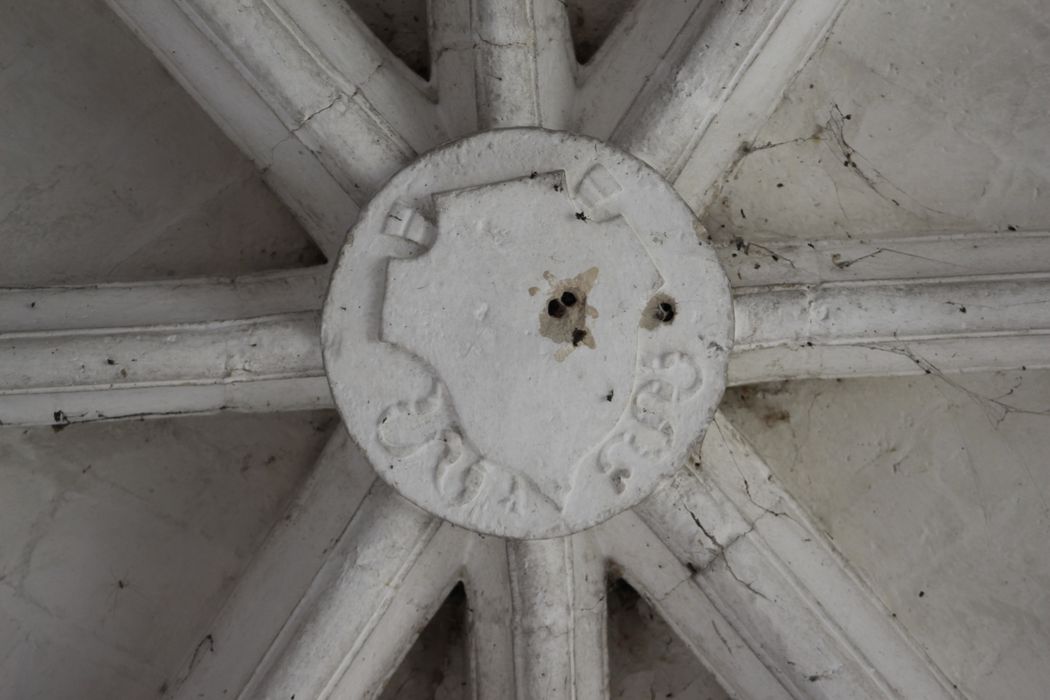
[565,311]
[660,310]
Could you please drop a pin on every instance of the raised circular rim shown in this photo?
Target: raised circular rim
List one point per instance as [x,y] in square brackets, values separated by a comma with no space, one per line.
[355,355]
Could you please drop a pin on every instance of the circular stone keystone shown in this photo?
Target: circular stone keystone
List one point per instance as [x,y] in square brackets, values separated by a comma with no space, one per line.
[525,332]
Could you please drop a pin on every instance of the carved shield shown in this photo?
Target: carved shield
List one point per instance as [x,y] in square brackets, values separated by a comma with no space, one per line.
[529,316]
[516,335]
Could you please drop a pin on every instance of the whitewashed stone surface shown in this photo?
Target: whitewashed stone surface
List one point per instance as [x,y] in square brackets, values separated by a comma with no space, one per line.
[526,332]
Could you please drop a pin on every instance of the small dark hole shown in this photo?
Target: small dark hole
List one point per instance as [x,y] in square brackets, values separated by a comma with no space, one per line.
[555,308]
[665,312]
[578,334]
[568,298]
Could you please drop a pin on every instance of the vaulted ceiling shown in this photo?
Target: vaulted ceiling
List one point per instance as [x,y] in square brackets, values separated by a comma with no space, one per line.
[165,189]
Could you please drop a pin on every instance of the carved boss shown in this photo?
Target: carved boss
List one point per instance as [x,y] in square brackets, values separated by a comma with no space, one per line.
[527,332]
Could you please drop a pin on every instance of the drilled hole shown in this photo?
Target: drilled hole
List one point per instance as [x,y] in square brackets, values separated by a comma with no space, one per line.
[665,312]
[568,298]
[555,309]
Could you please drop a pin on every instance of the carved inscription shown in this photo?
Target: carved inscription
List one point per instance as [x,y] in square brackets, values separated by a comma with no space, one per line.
[458,473]
[665,381]
[407,426]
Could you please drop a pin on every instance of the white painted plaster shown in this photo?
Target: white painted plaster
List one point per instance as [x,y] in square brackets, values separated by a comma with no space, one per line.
[936,490]
[939,106]
[105,158]
[122,540]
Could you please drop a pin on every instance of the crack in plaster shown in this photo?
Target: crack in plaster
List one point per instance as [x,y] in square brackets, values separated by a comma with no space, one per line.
[505,45]
[293,133]
[749,586]
[721,552]
[721,637]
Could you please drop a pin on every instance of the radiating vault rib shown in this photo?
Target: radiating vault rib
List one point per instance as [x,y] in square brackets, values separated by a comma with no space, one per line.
[390,553]
[304,89]
[650,567]
[73,361]
[524,69]
[269,590]
[559,613]
[780,583]
[714,86]
[876,328]
[295,173]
